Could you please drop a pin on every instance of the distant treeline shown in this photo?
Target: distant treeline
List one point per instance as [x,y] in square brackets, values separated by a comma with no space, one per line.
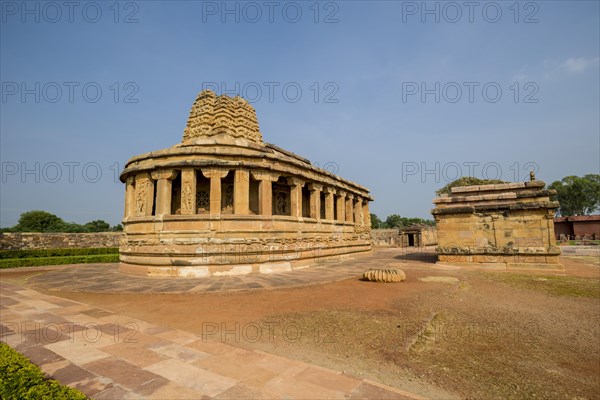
[43,221]
[396,221]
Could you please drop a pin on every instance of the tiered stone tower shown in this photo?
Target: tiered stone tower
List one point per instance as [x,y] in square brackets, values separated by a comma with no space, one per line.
[213,115]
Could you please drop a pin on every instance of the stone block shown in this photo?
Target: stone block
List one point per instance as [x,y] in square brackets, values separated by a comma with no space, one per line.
[193,272]
[269,268]
[236,270]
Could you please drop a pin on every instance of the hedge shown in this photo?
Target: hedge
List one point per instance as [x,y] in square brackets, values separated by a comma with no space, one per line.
[20,379]
[4,254]
[42,261]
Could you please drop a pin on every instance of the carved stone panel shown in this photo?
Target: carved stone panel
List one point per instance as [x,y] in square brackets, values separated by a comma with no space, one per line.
[281,199]
[203,201]
[140,197]
[188,191]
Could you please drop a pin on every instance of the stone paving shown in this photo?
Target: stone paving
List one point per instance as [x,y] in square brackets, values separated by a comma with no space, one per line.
[580,250]
[108,355]
[105,278]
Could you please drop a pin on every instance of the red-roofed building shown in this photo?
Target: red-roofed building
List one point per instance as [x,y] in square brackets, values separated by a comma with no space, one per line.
[578,226]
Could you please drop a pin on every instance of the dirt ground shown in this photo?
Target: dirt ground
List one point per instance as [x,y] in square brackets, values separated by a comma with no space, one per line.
[474,334]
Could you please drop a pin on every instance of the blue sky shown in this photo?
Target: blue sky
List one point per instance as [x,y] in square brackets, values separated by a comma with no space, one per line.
[378,91]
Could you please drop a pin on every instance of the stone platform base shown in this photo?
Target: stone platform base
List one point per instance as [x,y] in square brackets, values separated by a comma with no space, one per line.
[199,271]
[523,258]
[502,266]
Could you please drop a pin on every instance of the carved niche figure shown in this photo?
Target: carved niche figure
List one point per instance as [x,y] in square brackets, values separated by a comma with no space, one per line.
[227,201]
[281,199]
[140,201]
[186,196]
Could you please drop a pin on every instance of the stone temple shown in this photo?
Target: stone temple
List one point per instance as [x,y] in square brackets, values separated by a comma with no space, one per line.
[223,202]
[505,226]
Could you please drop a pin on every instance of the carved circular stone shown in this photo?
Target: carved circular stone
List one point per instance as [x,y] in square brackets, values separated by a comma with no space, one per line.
[384,275]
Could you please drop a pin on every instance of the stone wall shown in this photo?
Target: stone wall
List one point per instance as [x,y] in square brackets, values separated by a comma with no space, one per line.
[425,236]
[429,236]
[385,237]
[32,241]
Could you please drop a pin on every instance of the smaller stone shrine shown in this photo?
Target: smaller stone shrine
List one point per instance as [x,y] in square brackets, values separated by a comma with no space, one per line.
[508,226]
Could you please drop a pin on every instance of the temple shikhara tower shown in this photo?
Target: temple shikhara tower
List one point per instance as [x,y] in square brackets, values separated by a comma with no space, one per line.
[223,202]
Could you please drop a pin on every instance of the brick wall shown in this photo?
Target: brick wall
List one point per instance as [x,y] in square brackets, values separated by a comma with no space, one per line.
[31,241]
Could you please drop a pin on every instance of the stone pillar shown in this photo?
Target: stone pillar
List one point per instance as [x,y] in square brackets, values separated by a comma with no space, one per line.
[329,192]
[188,191]
[215,175]
[366,215]
[358,218]
[144,194]
[241,192]
[341,206]
[315,200]
[265,197]
[129,197]
[349,212]
[295,196]
[265,191]
[164,193]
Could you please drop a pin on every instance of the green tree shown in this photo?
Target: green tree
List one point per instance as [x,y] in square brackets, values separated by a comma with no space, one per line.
[396,221]
[467,181]
[97,226]
[39,221]
[72,227]
[117,228]
[577,195]
[416,221]
[429,222]
[393,221]
[375,222]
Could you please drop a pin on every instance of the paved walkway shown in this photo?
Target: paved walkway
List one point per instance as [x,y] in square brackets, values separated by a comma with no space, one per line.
[580,250]
[105,278]
[112,356]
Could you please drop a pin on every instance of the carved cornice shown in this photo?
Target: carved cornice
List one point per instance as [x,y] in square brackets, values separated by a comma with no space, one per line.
[164,174]
[295,182]
[214,172]
[265,176]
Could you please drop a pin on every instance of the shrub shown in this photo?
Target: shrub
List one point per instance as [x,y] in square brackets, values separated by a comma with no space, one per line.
[43,261]
[468,181]
[4,254]
[20,379]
